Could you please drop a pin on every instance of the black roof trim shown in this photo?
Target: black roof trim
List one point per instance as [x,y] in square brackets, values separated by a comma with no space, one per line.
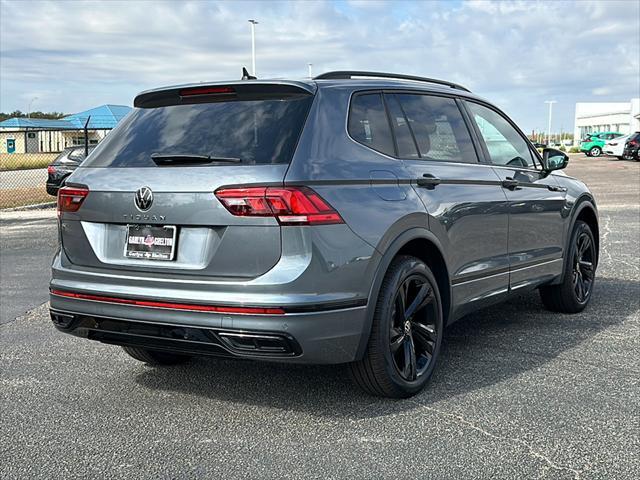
[348,74]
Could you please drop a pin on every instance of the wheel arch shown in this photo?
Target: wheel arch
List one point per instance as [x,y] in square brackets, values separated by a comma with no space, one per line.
[585,210]
[420,243]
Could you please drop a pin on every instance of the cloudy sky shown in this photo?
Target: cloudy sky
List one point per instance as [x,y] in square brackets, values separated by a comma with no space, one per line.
[74,55]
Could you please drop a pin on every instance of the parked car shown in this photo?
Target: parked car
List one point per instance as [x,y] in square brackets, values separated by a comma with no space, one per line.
[616,146]
[336,220]
[63,166]
[632,147]
[594,142]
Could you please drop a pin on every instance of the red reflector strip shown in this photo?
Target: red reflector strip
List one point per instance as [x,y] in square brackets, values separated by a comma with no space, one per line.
[187,92]
[172,306]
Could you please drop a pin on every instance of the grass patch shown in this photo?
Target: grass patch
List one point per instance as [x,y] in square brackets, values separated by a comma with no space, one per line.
[18,197]
[25,161]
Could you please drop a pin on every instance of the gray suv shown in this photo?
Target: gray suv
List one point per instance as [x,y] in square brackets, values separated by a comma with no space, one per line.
[344,219]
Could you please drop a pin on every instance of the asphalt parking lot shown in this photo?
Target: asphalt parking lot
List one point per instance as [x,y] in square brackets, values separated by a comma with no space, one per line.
[519,393]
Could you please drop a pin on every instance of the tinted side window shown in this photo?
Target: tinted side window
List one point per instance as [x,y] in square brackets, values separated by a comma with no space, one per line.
[438,127]
[505,145]
[368,123]
[404,138]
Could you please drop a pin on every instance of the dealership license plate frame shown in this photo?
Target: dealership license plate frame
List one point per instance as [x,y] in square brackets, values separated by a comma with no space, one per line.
[141,255]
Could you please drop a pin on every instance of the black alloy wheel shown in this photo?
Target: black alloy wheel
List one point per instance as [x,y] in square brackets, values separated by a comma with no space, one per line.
[413,334]
[406,334]
[573,293]
[583,266]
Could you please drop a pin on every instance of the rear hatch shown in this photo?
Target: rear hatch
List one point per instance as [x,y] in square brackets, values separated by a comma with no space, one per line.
[151,205]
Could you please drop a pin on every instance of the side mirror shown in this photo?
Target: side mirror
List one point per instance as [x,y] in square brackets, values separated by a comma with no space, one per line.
[553,159]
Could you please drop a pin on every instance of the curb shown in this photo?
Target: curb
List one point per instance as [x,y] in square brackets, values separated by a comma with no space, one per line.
[36,206]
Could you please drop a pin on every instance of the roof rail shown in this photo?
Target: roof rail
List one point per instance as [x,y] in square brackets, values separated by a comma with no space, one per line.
[348,74]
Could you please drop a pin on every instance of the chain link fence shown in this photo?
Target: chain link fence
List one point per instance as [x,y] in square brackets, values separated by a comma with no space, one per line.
[32,159]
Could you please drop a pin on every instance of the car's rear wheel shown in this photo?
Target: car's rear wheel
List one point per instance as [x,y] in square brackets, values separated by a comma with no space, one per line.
[595,152]
[406,333]
[154,357]
[574,293]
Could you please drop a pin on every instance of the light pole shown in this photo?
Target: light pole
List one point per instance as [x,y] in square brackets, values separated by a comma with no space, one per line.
[309,65]
[253,47]
[29,109]
[550,102]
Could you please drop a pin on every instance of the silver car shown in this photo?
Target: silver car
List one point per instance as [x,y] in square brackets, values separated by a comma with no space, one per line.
[344,219]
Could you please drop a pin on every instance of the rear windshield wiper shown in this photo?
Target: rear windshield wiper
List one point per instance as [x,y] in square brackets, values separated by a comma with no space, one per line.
[189,159]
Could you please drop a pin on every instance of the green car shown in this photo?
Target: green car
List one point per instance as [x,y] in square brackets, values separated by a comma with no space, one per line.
[593,143]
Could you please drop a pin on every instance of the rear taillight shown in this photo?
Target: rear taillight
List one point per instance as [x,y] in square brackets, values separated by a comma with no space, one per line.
[289,205]
[634,143]
[70,198]
[51,169]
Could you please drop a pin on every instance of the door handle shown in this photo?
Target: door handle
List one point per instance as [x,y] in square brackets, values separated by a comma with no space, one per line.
[554,188]
[428,181]
[510,183]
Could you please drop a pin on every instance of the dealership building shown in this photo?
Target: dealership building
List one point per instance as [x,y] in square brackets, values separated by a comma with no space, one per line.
[623,117]
[37,135]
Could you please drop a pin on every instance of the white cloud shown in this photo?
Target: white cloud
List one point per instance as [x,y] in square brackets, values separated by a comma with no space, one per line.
[515,53]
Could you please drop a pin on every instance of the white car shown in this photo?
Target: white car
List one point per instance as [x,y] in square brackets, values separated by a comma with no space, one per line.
[615,147]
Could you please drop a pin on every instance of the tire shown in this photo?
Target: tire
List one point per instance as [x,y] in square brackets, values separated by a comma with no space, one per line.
[401,375]
[595,151]
[153,357]
[566,297]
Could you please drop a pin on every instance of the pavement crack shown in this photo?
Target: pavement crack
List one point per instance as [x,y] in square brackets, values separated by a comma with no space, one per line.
[459,419]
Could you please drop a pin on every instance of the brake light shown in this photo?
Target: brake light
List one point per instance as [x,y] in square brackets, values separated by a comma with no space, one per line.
[70,198]
[189,92]
[51,169]
[289,205]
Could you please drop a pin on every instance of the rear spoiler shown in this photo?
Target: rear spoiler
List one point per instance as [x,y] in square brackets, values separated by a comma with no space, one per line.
[223,92]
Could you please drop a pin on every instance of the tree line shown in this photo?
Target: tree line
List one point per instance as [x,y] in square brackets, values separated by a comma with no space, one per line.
[19,114]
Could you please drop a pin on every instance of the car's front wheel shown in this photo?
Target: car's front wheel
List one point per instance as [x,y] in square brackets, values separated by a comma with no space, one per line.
[154,357]
[574,293]
[406,333]
[595,152]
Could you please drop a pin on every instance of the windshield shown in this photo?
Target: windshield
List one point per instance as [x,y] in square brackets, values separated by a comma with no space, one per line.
[256,132]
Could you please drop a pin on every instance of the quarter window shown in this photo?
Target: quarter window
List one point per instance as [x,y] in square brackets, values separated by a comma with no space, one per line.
[368,123]
[505,145]
[438,127]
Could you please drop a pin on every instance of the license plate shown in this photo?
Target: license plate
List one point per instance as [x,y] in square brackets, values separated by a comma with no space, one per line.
[150,242]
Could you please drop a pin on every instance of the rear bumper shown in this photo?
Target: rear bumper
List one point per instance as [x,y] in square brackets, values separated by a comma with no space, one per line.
[322,336]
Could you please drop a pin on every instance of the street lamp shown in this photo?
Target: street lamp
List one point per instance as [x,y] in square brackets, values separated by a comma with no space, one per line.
[309,65]
[253,47]
[29,109]
[550,102]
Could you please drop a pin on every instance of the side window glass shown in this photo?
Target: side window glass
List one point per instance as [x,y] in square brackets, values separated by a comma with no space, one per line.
[505,145]
[368,123]
[438,127]
[404,139]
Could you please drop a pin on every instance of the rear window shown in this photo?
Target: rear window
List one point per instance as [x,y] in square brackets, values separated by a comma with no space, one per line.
[255,131]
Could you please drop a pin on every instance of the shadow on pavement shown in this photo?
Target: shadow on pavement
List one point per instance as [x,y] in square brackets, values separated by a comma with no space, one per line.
[480,350]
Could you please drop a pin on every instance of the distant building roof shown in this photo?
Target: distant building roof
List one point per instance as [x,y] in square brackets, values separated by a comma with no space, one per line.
[102,117]
[24,123]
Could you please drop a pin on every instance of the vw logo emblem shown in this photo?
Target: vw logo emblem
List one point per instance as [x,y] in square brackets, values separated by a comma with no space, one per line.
[143,199]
